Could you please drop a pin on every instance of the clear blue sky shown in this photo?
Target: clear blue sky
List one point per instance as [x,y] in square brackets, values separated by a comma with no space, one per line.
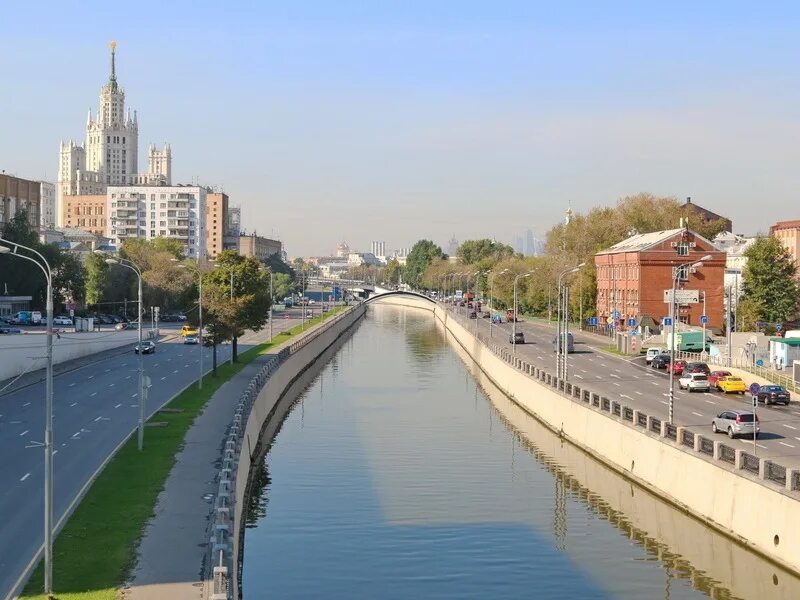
[409,119]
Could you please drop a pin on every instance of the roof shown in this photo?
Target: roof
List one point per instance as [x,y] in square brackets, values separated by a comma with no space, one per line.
[785,225]
[707,214]
[787,341]
[643,241]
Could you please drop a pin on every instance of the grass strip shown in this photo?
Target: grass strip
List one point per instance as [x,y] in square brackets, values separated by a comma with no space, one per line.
[96,550]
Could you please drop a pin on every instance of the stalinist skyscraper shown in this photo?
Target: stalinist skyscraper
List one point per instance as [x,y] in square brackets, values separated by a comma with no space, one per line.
[110,153]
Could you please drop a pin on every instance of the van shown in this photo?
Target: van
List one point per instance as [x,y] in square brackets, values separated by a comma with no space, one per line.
[570,342]
[652,353]
[36,317]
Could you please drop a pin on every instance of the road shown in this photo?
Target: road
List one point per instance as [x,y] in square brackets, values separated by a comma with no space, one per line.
[634,383]
[95,407]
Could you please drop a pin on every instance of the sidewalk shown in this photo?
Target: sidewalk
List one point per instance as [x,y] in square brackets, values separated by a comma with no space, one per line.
[175,544]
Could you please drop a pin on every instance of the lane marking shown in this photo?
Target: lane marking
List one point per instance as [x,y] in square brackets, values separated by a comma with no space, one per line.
[76,434]
[710,401]
[93,394]
[134,396]
[98,418]
[789,426]
[71,385]
[639,393]
[134,405]
[74,404]
[785,444]
[26,404]
[24,477]
[128,377]
[24,432]
[185,366]
[117,406]
[618,371]
[163,378]
[612,375]
[91,377]
[124,364]
[175,371]
[583,370]
[108,370]
[539,357]
[624,396]
[636,377]
[617,384]
[599,376]
[578,376]
[111,385]
[663,402]
[603,365]
[696,414]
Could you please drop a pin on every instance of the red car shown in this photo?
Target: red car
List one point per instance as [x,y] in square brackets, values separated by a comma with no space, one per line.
[715,376]
[678,366]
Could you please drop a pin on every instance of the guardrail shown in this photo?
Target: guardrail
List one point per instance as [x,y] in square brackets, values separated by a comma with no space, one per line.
[767,471]
[221,543]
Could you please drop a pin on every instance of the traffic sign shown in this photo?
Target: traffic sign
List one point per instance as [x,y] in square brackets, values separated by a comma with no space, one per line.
[754,387]
[71,312]
[634,333]
[682,296]
[592,320]
[667,321]
[631,322]
[778,326]
[755,401]
[704,319]
[610,325]
[616,314]
[71,306]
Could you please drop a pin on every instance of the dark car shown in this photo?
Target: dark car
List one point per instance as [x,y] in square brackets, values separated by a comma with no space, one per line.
[660,362]
[473,315]
[773,394]
[147,348]
[697,367]
[516,338]
[486,315]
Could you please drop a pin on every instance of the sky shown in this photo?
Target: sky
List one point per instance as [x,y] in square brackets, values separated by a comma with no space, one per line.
[396,121]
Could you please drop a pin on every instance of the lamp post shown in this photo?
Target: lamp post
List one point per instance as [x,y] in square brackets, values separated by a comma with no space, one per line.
[271,302]
[491,297]
[514,316]
[676,273]
[129,264]
[562,337]
[48,421]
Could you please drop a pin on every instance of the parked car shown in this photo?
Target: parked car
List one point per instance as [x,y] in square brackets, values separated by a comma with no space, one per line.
[36,318]
[697,367]
[715,376]
[772,394]
[736,422]
[473,315]
[652,353]
[497,319]
[731,385]
[516,338]
[147,347]
[62,320]
[23,317]
[678,366]
[190,339]
[661,361]
[694,382]
[486,315]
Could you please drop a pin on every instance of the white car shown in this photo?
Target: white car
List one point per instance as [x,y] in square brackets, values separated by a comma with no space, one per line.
[62,321]
[652,353]
[694,382]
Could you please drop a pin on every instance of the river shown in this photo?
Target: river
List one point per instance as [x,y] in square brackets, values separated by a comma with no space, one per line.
[402,472]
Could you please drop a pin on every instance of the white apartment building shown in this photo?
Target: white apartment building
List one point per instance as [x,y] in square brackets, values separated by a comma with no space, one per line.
[47,205]
[147,212]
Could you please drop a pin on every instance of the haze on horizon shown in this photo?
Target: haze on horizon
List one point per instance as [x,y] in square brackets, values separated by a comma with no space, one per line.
[395,121]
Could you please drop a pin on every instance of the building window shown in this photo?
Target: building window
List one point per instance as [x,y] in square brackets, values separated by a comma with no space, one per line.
[683,249]
[683,273]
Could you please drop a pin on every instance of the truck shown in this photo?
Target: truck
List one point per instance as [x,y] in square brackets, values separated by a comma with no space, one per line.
[686,341]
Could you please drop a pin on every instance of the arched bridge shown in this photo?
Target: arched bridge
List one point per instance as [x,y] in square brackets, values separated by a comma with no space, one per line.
[398,293]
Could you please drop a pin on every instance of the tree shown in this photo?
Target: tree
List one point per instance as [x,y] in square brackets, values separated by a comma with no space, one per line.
[96,273]
[473,251]
[393,272]
[770,288]
[282,285]
[418,259]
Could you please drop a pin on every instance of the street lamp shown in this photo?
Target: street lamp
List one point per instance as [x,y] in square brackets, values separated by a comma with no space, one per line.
[675,276]
[129,264]
[562,339]
[48,421]
[514,316]
[491,297]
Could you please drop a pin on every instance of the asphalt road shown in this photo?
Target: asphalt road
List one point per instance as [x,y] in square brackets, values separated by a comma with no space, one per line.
[95,407]
[636,384]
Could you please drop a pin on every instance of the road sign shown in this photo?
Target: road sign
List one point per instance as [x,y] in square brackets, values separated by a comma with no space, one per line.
[71,306]
[683,296]
[592,320]
[634,333]
[755,401]
[610,325]
[71,312]
[610,321]
[704,319]
[778,326]
[616,314]
[667,321]
[754,387]
[631,322]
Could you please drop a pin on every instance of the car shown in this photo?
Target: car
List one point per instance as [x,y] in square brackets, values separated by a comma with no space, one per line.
[697,367]
[124,326]
[516,338]
[736,422]
[694,382]
[773,394]
[652,353]
[62,320]
[473,315]
[189,330]
[678,366]
[190,339]
[570,342]
[510,317]
[147,347]
[715,376]
[660,361]
[731,385]
[486,315]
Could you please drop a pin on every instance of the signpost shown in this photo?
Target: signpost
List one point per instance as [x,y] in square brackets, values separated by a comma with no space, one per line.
[682,296]
[704,319]
[778,326]
[593,321]
[667,321]
[631,322]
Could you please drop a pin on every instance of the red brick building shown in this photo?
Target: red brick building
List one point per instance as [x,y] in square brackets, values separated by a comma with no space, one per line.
[633,274]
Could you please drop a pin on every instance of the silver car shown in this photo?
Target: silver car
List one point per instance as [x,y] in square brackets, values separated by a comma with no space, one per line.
[694,382]
[736,422]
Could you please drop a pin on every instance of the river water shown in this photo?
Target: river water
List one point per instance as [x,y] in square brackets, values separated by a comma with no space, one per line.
[401,472]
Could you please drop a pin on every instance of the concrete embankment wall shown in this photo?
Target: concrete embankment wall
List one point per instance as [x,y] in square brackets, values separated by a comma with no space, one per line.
[23,353]
[263,416]
[757,515]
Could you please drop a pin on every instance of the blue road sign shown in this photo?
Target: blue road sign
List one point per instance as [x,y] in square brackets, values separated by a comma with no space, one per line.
[704,319]
[759,363]
[610,326]
[631,322]
[667,321]
[778,326]
[616,314]
[634,333]
[754,387]
[592,320]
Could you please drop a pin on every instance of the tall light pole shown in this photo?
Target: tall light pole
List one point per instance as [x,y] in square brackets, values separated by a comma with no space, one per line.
[129,264]
[676,273]
[271,302]
[491,297]
[562,338]
[13,249]
[514,316]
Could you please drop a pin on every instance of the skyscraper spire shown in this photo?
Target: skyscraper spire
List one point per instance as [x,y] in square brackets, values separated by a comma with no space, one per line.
[112,80]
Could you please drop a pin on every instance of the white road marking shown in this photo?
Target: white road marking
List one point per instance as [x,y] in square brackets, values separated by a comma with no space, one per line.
[185,366]
[785,444]
[155,365]
[108,370]
[124,364]
[163,378]
[76,434]
[583,370]
[24,432]
[111,385]
[134,396]
[71,385]
[599,376]
[539,357]
[24,477]
[636,377]
[74,404]
[128,377]
[578,376]
[650,375]
[663,402]
[696,414]
[26,404]
[55,452]
[93,394]
[618,371]
[134,405]
[624,396]
[603,365]
[175,371]
[710,401]
[639,393]
[617,384]
[612,375]
[788,426]
[117,406]
[98,418]
[91,377]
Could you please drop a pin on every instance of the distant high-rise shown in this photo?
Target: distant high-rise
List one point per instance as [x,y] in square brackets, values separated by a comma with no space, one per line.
[529,249]
[518,247]
[342,250]
[378,248]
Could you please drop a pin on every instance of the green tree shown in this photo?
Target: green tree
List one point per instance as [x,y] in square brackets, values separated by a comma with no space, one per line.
[770,288]
[96,275]
[418,259]
[282,285]
[473,251]
[393,272]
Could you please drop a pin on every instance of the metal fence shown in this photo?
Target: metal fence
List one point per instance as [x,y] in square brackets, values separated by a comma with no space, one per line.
[775,472]
[727,454]
[706,446]
[655,425]
[672,431]
[627,413]
[750,463]
[721,361]
[687,439]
